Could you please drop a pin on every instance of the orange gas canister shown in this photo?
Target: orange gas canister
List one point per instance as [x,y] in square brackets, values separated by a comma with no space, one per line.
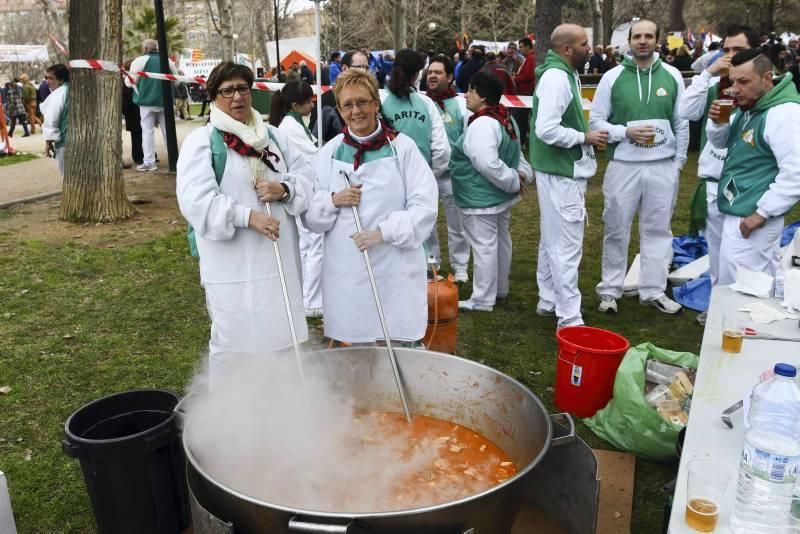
[442,315]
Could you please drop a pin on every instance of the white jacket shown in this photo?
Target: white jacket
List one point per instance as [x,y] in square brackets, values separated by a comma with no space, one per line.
[782,134]
[692,107]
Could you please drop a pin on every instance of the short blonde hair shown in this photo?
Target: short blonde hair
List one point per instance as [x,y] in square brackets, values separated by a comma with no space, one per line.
[356,77]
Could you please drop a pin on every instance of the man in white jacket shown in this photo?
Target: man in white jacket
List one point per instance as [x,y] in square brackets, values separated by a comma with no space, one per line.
[455,115]
[562,156]
[55,110]
[760,179]
[693,105]
[149,98]
[636,103]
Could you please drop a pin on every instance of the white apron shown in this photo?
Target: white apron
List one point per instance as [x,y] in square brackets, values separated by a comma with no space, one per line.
[240,276]
[400,274]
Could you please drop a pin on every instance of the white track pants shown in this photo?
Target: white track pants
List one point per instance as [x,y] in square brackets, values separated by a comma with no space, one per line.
[563,215]
[60,160]
[489,236]
[760,252]
[457,243]
[149,117]
[713,232]
[311,258]
[651,188]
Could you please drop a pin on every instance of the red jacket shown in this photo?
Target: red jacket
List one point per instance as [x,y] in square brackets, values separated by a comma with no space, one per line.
[526,77]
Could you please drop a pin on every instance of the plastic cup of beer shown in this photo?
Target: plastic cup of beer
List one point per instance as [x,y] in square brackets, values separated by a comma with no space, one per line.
[724,72]
[733,326]
[652,139]
[725,108]
[705,490]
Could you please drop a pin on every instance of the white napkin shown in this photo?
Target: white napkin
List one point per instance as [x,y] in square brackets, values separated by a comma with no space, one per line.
[764,314]
[752,283]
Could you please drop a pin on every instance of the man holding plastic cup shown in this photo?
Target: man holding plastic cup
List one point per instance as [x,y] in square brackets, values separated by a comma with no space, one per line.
[636,103]
[710,85]
[561,152]
[760,178]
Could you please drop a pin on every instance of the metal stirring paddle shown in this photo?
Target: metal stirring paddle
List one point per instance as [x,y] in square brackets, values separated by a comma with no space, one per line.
[286,302]
[382,318]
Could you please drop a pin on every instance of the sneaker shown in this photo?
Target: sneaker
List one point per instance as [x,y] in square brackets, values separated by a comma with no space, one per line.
[146,168]
[701,318]
[578,321]
[664,304]
[608,304]
[313,312]
[544,312]
[468,305]
[461,276]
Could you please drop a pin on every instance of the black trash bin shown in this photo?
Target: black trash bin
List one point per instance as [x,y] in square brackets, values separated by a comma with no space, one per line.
[130,450]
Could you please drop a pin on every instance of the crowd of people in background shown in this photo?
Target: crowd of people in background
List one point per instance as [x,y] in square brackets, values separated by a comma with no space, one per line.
[419,142]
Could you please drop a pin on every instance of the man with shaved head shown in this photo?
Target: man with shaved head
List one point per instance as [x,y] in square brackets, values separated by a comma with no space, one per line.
[561,153]
[149,98]
[760,178]
[647,142]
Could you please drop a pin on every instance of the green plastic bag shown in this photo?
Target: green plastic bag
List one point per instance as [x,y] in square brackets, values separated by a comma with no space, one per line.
[627,421]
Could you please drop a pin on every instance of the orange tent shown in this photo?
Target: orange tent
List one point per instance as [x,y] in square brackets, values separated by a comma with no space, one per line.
[295,56]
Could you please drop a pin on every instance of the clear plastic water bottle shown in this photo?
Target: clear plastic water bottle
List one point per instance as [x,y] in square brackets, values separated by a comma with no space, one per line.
[770,457]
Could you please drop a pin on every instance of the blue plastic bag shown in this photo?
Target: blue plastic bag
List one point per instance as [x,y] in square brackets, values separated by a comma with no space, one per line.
[686,249]
[788,233]
[694,294]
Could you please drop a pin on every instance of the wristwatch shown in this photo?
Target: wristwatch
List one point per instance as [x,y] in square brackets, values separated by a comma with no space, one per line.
[285,191]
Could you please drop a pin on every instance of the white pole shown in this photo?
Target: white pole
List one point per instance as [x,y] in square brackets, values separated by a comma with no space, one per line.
[318,45]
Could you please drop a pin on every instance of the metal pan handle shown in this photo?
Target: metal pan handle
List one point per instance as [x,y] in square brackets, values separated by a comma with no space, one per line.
[569,438]
[296,525]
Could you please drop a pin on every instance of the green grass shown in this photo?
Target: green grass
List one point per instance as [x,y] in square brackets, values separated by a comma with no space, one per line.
[17,158]
[78,322]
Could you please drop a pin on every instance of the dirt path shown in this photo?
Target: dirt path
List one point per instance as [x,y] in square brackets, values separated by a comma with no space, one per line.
[152,193]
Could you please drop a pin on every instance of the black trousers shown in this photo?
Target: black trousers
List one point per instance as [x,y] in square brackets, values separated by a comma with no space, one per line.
[137,154]
[23,122]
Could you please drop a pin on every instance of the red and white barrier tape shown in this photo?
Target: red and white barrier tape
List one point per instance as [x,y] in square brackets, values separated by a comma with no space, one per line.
[511,101]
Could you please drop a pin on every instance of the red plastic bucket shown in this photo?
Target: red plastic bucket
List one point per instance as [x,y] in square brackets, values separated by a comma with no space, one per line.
[588,359]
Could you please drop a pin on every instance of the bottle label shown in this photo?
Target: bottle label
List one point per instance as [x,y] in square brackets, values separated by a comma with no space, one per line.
[770,467]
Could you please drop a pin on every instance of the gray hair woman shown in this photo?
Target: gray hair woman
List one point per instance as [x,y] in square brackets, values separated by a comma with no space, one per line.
[227,171]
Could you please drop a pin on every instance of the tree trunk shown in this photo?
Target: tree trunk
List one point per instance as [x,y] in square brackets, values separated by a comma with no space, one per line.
[676,22]
[597,22]
[399,25]
[770,14]
[547,17]
[261,34]
[93,188]
[608,21]
[225,11]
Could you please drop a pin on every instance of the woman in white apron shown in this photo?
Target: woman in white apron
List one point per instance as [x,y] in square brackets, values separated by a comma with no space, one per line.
[396,195]
[226,173]
[290,106]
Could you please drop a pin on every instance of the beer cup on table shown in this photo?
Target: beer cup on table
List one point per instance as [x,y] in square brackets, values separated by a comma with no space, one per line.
[733,326]
[705,490]
[725,109]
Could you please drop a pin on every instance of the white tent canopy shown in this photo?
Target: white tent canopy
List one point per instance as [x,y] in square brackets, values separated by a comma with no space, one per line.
[301,44]
[23,53]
